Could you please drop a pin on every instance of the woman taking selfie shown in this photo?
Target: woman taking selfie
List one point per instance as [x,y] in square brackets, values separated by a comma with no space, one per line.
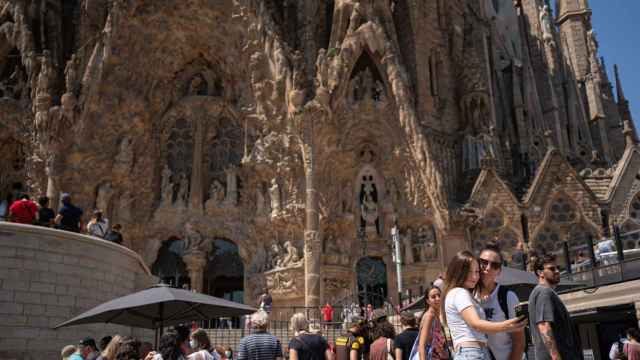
[464,315]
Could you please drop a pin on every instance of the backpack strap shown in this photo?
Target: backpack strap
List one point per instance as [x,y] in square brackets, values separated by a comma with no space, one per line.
[502,300]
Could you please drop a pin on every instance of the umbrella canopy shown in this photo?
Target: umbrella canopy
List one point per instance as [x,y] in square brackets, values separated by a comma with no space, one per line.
[159,306]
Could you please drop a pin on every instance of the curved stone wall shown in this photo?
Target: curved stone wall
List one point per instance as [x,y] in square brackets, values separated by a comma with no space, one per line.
[48,276]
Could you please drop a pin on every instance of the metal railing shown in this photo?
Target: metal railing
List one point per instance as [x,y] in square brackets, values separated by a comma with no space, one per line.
[606,273]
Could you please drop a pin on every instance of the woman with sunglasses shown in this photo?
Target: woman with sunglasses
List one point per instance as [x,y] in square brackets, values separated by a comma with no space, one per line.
[464,315]
[503,346]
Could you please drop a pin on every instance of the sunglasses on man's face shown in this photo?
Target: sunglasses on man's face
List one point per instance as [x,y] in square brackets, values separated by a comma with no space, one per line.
[494,265]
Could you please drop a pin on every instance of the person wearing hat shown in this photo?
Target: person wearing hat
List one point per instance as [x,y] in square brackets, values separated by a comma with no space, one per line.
[86,350]
[69,216]
[350,346]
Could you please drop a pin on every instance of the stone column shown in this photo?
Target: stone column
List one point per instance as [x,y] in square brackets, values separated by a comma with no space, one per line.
[196,198]
[196,261]
[312,243]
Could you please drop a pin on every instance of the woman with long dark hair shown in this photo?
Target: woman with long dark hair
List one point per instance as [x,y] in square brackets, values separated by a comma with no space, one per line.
[431,338]
[464,315]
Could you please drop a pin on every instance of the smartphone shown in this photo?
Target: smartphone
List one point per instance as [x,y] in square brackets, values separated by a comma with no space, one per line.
[522,309]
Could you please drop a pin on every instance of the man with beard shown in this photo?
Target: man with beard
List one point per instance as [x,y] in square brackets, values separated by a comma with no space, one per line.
[551,328]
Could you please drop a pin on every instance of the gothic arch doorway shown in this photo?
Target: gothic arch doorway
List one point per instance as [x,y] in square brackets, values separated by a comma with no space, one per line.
[371,275]
[169,266]
[224,272]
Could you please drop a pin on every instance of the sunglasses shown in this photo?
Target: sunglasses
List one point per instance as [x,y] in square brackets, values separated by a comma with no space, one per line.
[494,265]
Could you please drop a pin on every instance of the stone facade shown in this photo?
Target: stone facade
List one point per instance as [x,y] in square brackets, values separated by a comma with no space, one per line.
[49,276]
[303,131]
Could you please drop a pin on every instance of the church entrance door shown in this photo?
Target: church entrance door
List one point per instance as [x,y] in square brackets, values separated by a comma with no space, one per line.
[224,272]
[372,281]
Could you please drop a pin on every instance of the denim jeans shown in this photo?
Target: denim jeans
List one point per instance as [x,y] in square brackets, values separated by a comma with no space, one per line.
[472,353]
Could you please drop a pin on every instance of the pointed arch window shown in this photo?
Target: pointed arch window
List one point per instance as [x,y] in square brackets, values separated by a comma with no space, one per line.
[180,148]
[562,211]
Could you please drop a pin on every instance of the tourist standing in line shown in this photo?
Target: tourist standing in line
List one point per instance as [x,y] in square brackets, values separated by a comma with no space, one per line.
[382,336]
[265,301]
[260,344]
[630,350]
[499,304]
[86,350]
[23,211]
[552,330]
[404,341]
[129,349]
[98,226]
[201,346]
[45,213]
[114,234]
[111,349]
[69,216]
[327,315]
[431,337]
[350,345]
[464,315]
[306,345]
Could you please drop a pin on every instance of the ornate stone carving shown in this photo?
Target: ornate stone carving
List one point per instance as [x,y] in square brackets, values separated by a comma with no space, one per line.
[124,159]
[336,251]
[103,199]
[46,75]
[216,195]
[369,204]
[274,195]
[546,23]
[166,187]
[261,206]
[71,74]
[194,241]
[183,191]
[232,186]
[407,244]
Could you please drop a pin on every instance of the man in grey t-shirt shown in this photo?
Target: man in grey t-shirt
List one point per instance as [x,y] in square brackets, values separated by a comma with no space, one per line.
[552,331]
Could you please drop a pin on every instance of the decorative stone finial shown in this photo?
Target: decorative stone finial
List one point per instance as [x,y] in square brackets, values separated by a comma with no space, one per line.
[549,139]
[629,136]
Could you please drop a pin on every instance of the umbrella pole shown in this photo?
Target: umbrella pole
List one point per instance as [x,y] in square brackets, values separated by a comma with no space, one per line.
[161,313]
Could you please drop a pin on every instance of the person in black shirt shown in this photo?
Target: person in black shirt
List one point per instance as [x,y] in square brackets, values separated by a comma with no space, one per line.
[69,215]
[114,235]
[45,213]
[305,345]
[404,341]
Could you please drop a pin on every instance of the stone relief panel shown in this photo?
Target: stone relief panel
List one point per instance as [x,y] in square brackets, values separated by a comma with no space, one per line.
[420,245]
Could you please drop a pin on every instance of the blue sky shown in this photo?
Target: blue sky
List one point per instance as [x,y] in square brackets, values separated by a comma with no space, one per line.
[618,30]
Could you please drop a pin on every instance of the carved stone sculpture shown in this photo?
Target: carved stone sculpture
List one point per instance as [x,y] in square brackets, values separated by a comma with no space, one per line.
[194,241]
[216,194]
[166,187]
[545,23]
[183,190]
[124,159]
[261,208]
[291,259]
[71,74]
[45,77]
[274,194]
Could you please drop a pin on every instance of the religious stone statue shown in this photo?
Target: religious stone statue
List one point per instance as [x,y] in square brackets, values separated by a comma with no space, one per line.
[407,244]
[183,190]
[426,239]
[103,199]
[276,255]
[45,77]
[232,186]
[369,204]
[194,241]
[274,194]
[346,198]
[197,86]
[166,186]
[291,259]
[545,23]
[216,193]
[71,74]
[124,159]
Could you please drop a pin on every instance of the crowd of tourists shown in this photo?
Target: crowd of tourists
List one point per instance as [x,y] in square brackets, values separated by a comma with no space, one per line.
[467,315]
[69,216]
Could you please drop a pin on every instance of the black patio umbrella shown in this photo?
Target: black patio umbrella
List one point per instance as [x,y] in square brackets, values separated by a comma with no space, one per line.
[157,307]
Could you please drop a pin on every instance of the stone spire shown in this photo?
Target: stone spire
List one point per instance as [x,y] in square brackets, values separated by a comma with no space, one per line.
[623,103]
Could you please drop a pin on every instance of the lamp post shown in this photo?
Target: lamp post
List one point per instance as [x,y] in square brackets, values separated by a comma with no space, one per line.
[396,255]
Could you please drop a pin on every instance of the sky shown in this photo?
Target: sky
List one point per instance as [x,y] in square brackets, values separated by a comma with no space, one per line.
[618,32]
